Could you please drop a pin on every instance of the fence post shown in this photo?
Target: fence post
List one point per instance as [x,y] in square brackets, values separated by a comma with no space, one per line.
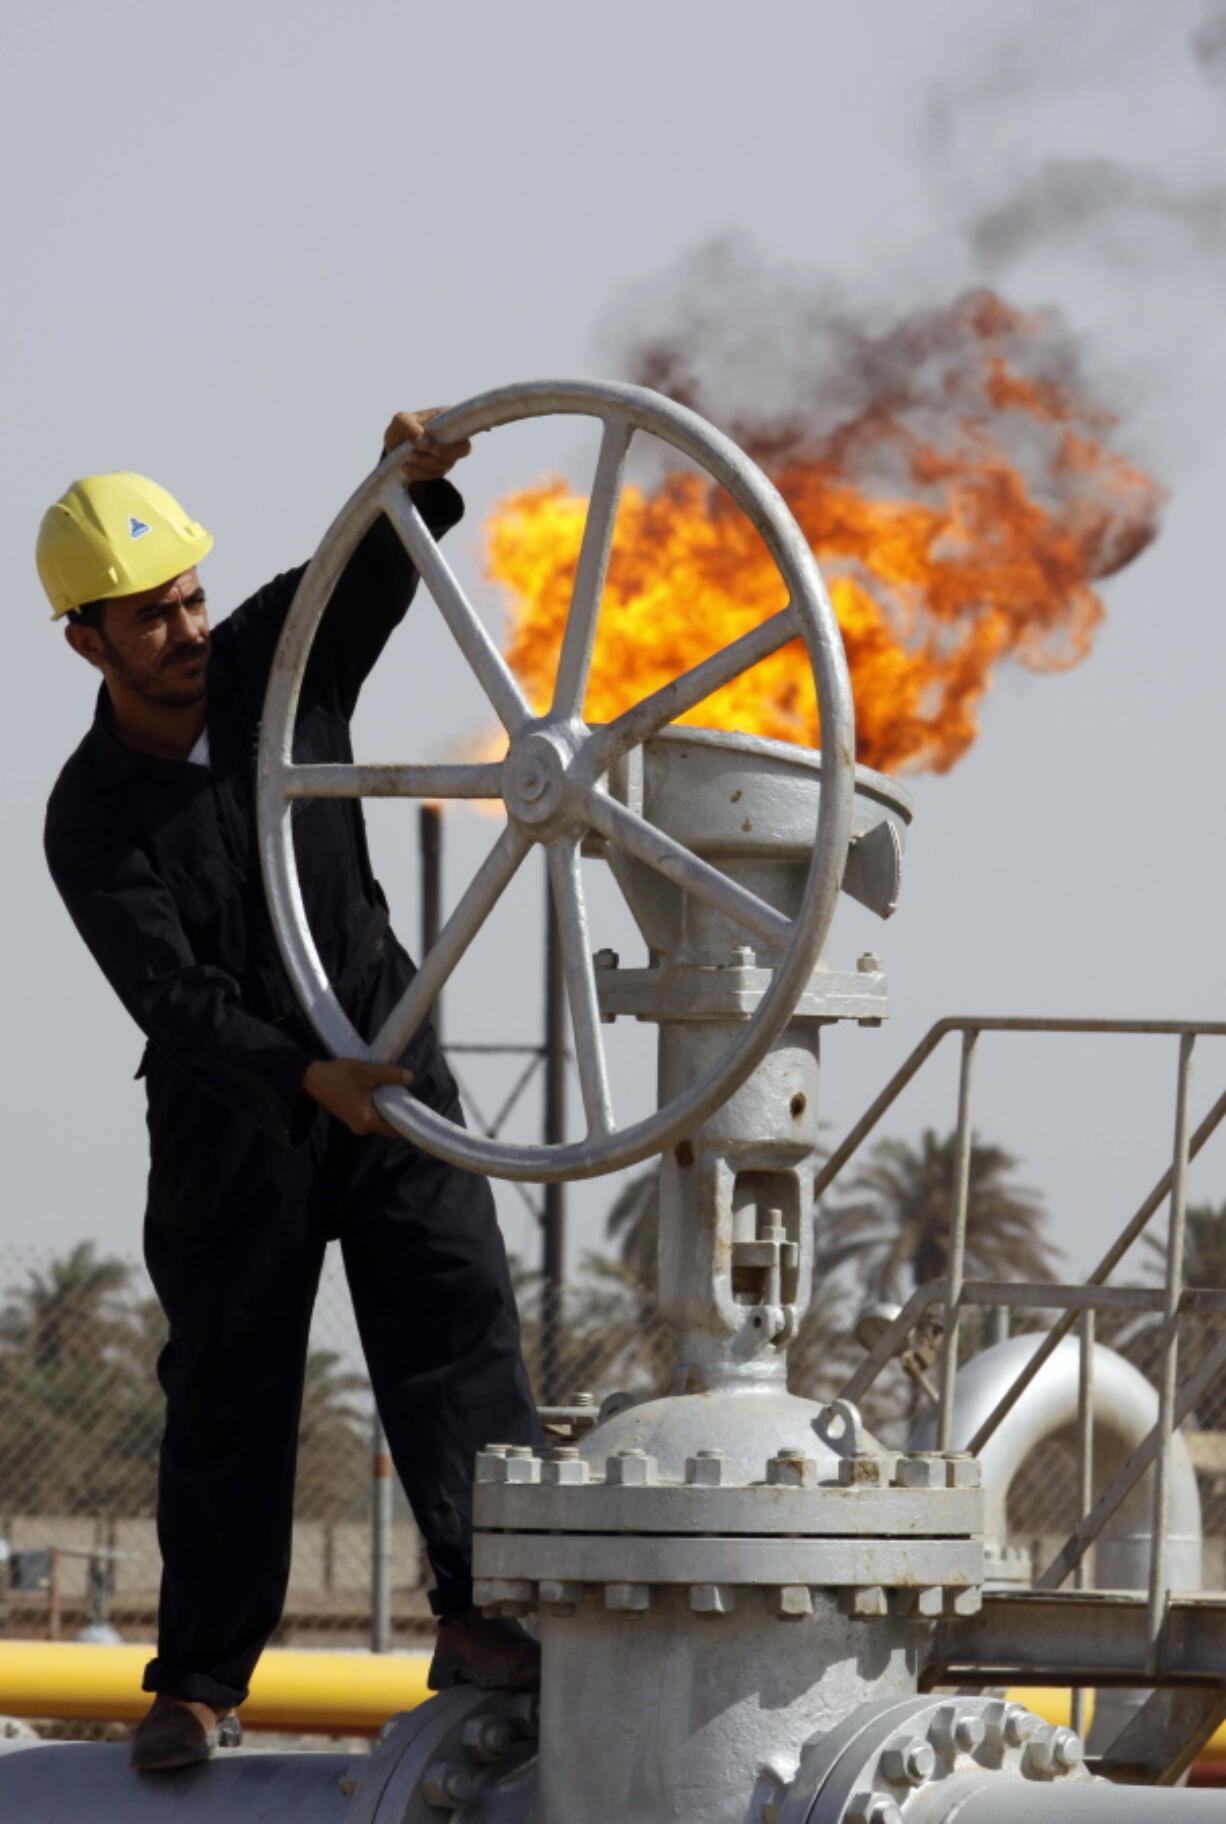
[1168,1385]
[957,1238]
[380,1543]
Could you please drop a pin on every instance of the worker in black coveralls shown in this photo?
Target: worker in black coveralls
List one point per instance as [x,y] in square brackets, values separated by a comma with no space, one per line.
[262,1149]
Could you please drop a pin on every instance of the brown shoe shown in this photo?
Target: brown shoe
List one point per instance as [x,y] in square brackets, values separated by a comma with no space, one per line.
[488,1651]
[175,1732]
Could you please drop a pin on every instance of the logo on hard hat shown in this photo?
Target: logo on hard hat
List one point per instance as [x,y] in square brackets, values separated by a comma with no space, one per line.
[137,527]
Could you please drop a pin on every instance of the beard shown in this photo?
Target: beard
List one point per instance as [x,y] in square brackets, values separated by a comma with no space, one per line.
[166,686]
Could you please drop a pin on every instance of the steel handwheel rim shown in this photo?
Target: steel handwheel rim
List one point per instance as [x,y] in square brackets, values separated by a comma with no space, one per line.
[280,781]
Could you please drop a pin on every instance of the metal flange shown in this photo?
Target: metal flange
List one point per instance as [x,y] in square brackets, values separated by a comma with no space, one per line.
[450,1751]
[913,1761]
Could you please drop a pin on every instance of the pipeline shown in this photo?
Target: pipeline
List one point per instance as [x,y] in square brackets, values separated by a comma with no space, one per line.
[298,1692]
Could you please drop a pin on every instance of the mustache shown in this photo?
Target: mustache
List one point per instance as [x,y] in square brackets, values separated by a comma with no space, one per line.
[187,655]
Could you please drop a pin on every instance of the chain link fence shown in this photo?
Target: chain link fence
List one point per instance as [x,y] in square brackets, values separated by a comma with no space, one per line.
[80,1421]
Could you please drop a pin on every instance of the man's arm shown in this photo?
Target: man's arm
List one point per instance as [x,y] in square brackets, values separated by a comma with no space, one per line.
[376,586]
[193,1011]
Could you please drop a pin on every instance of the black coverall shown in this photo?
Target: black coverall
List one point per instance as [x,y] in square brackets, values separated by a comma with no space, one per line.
[249,1179]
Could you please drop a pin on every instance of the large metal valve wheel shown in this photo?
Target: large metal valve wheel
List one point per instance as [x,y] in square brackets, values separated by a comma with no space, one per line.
[553,781]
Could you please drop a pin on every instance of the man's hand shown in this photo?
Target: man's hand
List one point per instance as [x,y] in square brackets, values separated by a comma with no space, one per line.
[427,461]
[344,1087]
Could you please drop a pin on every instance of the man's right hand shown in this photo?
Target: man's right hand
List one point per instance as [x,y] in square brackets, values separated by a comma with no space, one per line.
[344,1086]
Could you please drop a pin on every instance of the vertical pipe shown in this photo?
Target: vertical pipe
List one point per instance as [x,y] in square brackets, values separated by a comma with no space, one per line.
[1085,1476]
[380,1542]
[999,1325]
[1169,1382]
[54,1596]
[553,1207]
[430,849]
[957,1238]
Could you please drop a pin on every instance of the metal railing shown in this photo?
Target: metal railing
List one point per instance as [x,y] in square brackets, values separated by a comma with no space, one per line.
[1078,1305]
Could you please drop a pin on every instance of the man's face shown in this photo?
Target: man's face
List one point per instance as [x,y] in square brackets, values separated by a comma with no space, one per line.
[154,645]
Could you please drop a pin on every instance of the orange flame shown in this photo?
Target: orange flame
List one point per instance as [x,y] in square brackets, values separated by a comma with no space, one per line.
[982,544]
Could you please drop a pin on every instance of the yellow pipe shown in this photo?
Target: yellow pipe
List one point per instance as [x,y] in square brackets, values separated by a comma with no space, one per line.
[300,1692]
[296,1691]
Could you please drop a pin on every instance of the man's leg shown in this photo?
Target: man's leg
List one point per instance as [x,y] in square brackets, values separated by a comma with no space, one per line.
[436,1313]
[237,1289]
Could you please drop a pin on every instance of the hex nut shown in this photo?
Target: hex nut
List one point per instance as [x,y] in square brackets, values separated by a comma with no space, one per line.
[631,1469]
[487,1737]
[863,1471]
[956,1731]
[743,956]
[872,1808]
[868,963]
[922,1469]
[606,959]
[524,1710]
[560,1597]
[565,1469]
[629,1598]
[1017,1725]
[961,1602]
[793,1601]
[522,1464]
[712,1598]
[445,1786]
[791,1469]
[492,1463]
[909,1764]
[962,1470]
[868,1603]
[707,1469]
[1054,1752]
[925,1604]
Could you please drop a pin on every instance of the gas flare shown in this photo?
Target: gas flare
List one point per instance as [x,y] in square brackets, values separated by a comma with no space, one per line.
[961,511]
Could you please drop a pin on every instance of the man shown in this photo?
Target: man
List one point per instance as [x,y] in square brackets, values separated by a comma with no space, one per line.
[262,1149]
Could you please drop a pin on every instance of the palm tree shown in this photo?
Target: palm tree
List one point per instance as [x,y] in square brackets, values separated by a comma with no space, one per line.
[1204,1248]
[893,1234]
[72,1311]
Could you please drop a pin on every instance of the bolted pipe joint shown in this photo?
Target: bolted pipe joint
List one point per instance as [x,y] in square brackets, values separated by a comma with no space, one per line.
[565,1468]
[791,1469]
[1052,1753]
[632,1469]
[908,1763]
[954,1731]
[446,1786]
[708,1469]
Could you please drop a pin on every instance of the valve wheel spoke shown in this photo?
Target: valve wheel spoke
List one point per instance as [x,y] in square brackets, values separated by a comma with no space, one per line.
[382,781]
[567,886]
[654,712]
[492,671]
[574,661]
[685,869]
[475,905]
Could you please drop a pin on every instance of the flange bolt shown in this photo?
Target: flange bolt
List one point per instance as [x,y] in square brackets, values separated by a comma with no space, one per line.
[873,1808]
[957,1731]
[487,1737]
[1054,1754]
[446,1786]
[909,1765]
[791,1469]
[707,1469]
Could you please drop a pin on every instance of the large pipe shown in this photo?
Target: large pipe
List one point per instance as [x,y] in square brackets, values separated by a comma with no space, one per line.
[299,1692]
[1036,1802]
[69,1782]
[1125,1412]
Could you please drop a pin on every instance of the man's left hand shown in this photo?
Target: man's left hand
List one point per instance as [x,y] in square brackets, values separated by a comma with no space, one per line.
[426,460]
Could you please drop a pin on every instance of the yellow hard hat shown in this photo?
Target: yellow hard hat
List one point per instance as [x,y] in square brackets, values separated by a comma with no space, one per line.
[114,535]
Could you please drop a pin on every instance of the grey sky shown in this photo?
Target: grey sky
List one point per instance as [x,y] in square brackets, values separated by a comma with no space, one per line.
[238,237]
